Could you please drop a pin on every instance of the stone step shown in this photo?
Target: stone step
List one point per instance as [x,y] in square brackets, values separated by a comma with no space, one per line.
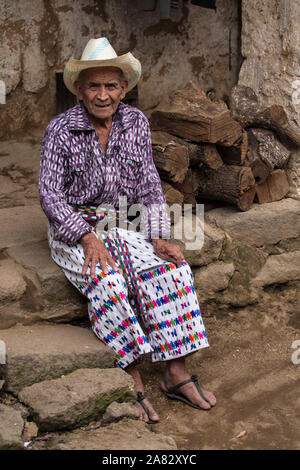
[279,269]
[49,294]
[263,224]
[77,398]
[117,411]
[11,428]
[44,351]
[20,155]
[21,225]
[127,434]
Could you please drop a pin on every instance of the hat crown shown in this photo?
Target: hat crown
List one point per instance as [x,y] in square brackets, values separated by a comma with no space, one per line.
[98,49]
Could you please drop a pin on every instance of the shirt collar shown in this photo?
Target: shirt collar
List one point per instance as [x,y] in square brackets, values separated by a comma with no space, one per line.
[123,118]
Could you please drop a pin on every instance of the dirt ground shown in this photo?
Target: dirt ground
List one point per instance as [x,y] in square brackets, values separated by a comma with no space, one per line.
[249,368]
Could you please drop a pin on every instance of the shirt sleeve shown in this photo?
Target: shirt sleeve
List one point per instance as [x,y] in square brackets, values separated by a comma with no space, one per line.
[155,219]
[69,225]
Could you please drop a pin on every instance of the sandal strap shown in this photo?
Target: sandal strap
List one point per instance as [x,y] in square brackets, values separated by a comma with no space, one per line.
[195,380]
[173,389]
[140,397]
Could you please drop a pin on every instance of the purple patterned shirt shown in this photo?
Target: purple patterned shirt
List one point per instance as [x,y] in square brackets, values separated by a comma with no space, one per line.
[74,171]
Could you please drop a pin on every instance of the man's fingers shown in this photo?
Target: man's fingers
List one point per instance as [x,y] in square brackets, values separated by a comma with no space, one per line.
[176,256]
[111,262]
[86,264]
[94,263]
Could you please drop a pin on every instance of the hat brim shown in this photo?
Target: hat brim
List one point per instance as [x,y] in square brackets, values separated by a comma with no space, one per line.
[130,66]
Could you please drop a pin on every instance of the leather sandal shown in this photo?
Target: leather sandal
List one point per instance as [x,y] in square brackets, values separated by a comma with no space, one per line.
[140,398]
[174,395]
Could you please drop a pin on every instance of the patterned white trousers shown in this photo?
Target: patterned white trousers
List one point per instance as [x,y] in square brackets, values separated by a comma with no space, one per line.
[172,326]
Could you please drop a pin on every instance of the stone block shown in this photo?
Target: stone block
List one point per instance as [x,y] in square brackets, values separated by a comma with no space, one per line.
[22,225]
[262,225]
[127,434]
[36,257]
[77,398]
[210,240]
[279,269]
[44,351]
[11,428]
[213,278]
[117,411]
[12,284]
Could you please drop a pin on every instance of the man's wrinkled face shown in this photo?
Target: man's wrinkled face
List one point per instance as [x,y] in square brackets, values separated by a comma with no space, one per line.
[101,90]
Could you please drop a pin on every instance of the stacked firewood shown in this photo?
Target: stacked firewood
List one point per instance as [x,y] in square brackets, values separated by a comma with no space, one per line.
[204,151]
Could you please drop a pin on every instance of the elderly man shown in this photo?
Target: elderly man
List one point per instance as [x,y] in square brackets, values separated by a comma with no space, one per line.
[140,290]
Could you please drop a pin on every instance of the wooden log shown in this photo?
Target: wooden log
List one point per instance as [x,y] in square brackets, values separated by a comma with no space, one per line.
[173,196]
[198,154]
[208,156]
[189,187]
[170,157]
[188,113]
[259,169]
[230,183]
[248,112]
[265,153]
[274,188]
[236,154]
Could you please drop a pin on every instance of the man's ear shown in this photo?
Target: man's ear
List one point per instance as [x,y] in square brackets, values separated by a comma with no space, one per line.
[77,87]
[124,88]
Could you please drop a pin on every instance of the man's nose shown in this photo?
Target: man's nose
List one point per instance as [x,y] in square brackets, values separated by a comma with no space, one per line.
[102,93]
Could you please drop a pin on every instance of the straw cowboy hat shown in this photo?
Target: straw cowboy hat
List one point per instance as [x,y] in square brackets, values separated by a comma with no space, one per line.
[99,53]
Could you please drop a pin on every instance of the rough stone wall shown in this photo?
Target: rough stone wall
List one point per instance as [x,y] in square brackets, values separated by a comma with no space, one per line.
[39,36]
[270,42]
[271,49]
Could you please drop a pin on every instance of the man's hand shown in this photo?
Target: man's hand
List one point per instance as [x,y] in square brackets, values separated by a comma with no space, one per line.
[167,251]
[95,252]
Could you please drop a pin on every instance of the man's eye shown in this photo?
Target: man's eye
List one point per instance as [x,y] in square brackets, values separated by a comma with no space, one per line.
[111,86]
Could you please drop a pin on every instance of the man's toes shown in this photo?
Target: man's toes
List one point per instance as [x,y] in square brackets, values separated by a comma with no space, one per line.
[153,416]
[143,414]
[203,404]
[152,413]
[210,397]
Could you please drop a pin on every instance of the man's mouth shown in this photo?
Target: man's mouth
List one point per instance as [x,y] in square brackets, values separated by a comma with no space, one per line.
[102,105]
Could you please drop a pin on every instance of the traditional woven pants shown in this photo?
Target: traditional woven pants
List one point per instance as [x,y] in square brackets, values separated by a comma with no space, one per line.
[172,325]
